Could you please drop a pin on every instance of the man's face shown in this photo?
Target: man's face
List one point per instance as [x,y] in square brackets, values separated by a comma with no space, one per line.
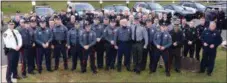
[11,25]
[149,23]
[212,26]
[191,24]
[26,25]
[33,24]
[22,23]
[162,28]
[202,21]
[51,23]
[184,21]
[106,21]
[58,21]
[144,17]
[72,19]
[43,24]
[112,24]
[136,21]
[87,27]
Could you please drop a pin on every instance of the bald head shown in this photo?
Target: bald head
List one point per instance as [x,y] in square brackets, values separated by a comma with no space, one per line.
[212,25]
[123,22]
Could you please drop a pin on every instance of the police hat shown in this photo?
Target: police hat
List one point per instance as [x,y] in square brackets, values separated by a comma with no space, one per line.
[11,22]
[42,20]
[112,20]
[176,22]
[163,23]
[32,20]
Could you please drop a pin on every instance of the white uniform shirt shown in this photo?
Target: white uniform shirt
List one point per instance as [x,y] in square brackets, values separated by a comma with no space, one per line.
[10,41]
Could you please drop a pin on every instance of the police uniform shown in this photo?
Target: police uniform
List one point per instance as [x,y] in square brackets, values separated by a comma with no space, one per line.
[73,39]
[88,38]
[59,42]
[175,51]
[209,54]
[99,46]
[111,52]
[200,28]
[123,40]
[190,35]
[34,46]
[26,50]
[150,47]
[162,38]
[43,36]
[12,39]
[140,41]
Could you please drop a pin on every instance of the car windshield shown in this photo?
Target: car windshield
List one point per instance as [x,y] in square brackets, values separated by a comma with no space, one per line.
[178,8]
[200,5]
[44,11]
[123,8]
[155,6]
[81,7]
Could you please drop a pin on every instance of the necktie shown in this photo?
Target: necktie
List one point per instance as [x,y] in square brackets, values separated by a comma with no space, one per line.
[161,42]
[14,35]
[77,34]
[135,33]
[87,38]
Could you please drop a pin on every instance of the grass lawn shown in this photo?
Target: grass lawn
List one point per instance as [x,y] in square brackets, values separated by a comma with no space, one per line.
[219,75]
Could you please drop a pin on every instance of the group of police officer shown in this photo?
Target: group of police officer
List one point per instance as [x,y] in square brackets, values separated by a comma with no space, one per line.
[130,36]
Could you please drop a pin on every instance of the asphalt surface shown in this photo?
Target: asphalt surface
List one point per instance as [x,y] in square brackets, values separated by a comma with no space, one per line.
[4,58]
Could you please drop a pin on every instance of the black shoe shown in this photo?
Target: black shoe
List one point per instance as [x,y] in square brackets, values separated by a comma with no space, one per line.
[66,68]
[32,72]
[24,76]
[112,67]
[9,81]
[201,71]
[16,77]
[95,72]
[209,74]
[128,69]
[167,74]
[73,69]
[100,67]
[177,70]
[83,71]
[56,68]
[50,70]
[107,68]
[40,71]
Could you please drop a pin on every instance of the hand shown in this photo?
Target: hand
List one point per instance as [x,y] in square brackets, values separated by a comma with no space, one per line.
[17,48]
[116,47]
[175,43]
[112,42]
[212,46]
[33,45]
[52,46]
[162,48]
[145,47]
[44,45]
[47,44]
[189,42]
[68,47]
[86,47]
[98,39]
[205,44]
[158,46]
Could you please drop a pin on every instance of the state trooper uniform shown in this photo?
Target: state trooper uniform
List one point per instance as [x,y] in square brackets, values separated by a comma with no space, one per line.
[43,36]
[99,46]
[33,50]
[59,42]
[12,41]
[123,40]
[111,52]
[73,39]
[175,49]
[163,39]
[26,49]
[88,38]
[209,54]
[190,35]
[200,28]
[139,42]
[151,30]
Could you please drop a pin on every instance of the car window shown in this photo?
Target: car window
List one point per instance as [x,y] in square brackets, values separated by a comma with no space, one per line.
[179,8]
[155,6]
[43,11]
[119,8]
[169,7]
[109,8]
[200,5]
[81,7]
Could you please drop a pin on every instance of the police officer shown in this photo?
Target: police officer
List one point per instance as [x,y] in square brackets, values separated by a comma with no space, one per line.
[139,42]
[111,52]
[162,41]
[211,39]
[73,44]
[99,46]
[25,50]
[33,50]
[123,39]
[151,30]
[87,41]
[71,23]
[190,38]
[59,42]
[200,28]
[13,42]
[175,49]
[43,37]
